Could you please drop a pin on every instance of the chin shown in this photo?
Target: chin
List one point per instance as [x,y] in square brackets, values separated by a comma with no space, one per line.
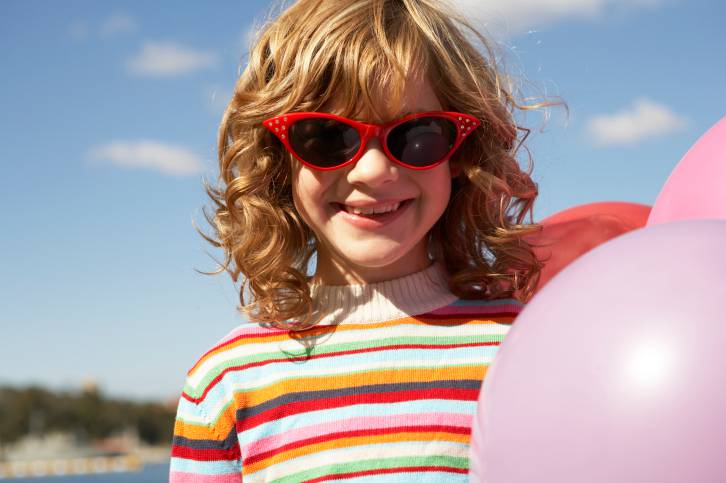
[375,260]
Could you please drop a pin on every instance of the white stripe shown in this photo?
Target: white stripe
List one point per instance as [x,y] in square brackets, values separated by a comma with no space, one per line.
[257,384]
[249,350]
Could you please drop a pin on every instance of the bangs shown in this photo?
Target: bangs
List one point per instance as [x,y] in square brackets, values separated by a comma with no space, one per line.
[357,62]
[371,84]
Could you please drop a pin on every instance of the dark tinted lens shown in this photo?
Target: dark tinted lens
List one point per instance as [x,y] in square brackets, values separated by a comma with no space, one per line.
[324,142]
[422,141]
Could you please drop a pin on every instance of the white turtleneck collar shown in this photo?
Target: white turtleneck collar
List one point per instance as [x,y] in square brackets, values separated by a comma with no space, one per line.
[413,294]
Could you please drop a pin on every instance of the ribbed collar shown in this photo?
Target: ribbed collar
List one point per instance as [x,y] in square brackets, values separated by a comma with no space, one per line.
[412,294]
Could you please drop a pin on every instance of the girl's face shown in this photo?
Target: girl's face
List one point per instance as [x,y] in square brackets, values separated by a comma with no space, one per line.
[366,249]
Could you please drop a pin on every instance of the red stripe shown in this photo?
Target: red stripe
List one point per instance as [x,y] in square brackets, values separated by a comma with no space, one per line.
[261,333]
[207,454]
[265,362]
[272,332]
[289,409]
[383,471]
[467,316]
[358,432]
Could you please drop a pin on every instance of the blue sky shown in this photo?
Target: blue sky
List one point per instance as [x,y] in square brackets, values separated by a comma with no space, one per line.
[110,118]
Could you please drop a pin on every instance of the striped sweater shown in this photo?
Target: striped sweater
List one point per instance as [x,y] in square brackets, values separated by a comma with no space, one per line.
[371,394]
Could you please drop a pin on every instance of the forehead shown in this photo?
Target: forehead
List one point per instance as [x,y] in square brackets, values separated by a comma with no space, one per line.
[418,95]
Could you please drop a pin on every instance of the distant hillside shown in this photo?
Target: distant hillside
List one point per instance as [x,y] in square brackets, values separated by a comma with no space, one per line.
[88,414]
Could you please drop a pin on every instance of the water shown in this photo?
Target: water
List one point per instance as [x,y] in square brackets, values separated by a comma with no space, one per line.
[156,473]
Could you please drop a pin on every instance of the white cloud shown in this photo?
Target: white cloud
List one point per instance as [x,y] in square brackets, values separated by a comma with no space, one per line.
[159,59]
[644,119]
[148,154]
[511,17]
[117,23]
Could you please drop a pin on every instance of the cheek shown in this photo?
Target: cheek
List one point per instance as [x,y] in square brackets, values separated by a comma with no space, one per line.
[309,192]
[439,188]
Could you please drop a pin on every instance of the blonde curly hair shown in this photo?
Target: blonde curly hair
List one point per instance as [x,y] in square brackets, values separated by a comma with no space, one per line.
[313,52]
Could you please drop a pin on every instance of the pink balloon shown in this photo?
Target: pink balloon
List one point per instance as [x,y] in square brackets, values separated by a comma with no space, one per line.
[695,188]
[614,371]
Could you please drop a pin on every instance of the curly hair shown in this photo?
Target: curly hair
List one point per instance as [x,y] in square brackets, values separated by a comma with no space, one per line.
[318,50]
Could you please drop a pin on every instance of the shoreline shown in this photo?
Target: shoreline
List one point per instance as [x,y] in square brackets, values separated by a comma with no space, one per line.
[85,465]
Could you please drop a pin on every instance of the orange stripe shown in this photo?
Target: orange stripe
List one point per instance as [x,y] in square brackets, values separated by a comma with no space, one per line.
[335,381]
[355,441]
[218,430]
[347,327]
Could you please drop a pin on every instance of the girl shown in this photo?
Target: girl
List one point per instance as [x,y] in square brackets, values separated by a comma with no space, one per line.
[373,134]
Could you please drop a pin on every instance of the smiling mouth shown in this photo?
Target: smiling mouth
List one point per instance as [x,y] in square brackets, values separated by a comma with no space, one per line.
[373,216]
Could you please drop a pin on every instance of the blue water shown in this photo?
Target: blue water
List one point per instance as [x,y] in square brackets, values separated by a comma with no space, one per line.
[158,473]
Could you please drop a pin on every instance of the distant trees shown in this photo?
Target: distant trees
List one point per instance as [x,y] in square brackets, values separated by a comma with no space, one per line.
[87,414]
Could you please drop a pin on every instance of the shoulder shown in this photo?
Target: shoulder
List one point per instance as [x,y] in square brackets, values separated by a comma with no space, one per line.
[234,349]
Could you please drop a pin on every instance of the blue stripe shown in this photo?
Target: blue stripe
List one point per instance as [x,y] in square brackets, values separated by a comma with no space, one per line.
[473,354]
[205,467]
[323,416]
[439,357]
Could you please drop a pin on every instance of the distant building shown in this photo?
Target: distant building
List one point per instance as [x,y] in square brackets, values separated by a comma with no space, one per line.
[89,386]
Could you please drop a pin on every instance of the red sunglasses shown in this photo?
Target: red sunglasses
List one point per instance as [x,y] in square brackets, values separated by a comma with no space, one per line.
[325,141]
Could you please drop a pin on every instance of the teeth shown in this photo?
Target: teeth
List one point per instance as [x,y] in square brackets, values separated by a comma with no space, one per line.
[369,211]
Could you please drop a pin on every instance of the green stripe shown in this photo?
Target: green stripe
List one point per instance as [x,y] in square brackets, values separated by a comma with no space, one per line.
[332,348]
[376,464]
[212,423]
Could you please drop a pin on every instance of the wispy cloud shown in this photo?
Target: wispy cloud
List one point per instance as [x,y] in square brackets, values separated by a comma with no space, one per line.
[148,154]
[511,17]
[163,59]
[117,23]
[643,119]
[216,98]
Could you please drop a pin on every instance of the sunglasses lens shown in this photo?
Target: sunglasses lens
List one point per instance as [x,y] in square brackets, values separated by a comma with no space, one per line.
[324,142]
[422,141]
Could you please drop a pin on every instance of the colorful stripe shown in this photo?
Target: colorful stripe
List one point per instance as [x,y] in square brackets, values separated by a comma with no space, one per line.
[381,401]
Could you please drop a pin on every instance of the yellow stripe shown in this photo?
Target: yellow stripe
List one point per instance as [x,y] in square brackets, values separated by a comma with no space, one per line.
[347,327]
[339,381]
[355,441]
[218,431]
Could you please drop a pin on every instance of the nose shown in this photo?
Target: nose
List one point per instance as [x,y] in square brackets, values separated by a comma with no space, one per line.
[373,168]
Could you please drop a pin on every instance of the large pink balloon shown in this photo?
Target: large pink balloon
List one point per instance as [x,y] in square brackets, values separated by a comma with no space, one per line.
[615,371]
[695,188]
